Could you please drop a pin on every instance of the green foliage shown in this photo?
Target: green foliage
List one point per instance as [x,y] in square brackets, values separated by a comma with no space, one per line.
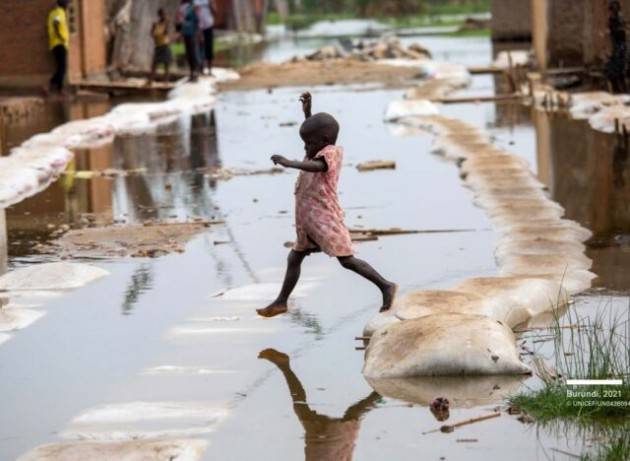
[587,350]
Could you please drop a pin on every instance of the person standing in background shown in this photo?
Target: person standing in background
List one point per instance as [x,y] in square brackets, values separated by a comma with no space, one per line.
[206,12]
[59,42]
[162,52]
[188,26]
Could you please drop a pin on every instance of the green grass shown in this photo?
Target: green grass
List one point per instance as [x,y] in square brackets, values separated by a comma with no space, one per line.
[616,448]
[590,350]
[431,17]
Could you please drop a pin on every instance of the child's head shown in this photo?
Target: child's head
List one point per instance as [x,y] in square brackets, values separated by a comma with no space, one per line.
[161,14]
[317,132]
[62,3]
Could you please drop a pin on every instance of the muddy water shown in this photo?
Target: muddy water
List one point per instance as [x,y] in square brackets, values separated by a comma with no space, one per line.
[153,332]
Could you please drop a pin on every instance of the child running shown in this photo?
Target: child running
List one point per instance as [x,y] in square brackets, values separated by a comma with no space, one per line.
[318,216]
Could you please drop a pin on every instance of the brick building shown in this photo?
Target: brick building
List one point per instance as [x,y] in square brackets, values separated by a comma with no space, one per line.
[511,20]
[572,32]
[25,60]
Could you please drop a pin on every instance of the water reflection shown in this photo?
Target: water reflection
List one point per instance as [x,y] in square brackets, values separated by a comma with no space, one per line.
[325,438]
[140,282]
[586,172]
[156,176]
[3,242]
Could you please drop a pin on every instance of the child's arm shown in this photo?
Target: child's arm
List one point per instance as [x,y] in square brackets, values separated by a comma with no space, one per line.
[316,165]
[305,99]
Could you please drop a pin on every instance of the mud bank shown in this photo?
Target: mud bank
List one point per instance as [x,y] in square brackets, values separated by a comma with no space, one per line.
[149,240]
[540,258]
[312,73]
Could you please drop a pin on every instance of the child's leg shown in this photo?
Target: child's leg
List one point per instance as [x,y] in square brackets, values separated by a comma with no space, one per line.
[388,289]
[294,264]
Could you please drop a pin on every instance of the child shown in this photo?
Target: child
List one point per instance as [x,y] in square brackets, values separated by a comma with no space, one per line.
[318,216]
[162,52]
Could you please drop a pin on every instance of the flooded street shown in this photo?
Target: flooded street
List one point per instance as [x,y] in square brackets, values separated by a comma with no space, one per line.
[114,360]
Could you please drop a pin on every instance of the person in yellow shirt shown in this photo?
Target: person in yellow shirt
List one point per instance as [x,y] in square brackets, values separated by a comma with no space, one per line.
[59,41]
[161,38]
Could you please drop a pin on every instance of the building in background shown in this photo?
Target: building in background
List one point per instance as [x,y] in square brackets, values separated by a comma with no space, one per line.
[26,61]
[511,20]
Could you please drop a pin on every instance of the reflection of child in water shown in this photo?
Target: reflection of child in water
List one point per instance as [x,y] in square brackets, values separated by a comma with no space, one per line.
[318,215]
[325,438]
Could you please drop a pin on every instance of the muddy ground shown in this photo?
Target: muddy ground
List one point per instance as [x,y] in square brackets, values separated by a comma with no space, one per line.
[317,73]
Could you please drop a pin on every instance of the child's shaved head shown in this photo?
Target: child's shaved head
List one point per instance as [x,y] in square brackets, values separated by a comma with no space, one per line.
[322,126]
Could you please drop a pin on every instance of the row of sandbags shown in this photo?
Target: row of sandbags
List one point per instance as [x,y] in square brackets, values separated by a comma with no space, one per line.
[33,165]
[468,330]
[602,110]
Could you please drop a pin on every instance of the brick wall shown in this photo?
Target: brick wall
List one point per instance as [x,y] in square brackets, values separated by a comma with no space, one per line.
[25,59]
[511,20]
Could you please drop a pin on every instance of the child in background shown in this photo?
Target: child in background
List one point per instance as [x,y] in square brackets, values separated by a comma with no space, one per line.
[162,52]
[318,215]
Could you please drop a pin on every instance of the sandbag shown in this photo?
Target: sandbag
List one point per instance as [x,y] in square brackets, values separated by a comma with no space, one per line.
[51,276]
[443,345]
[411,107]
[544,264]
[517,299]
[137,450]
[508,247]
[380,320]
[427,302]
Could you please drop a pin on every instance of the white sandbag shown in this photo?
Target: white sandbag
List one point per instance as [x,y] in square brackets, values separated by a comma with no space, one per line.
[481,182]
[51,276]
[456,74]
[544,264]
[86,133]
[517,299]
[428,302]
[552,229]
[573,281]
[474,391]
[380,320]
[488,193]
[443,345]
[508,247]
[605,119]
[409,108]
[497,161]
[513,58]
[142,450]
[14,318]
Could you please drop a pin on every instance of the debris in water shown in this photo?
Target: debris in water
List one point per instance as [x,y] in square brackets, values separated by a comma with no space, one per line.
[228,173]
[151,239]
[440,408]
[448,428]
[377,165]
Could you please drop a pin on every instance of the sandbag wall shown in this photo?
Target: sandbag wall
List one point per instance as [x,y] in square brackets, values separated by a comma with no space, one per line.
[32,166]
[540,256]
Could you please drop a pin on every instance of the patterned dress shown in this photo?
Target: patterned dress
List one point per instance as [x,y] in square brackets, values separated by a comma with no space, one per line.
[318,216]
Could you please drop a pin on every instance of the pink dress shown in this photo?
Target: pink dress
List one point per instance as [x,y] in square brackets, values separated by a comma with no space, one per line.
[318,216]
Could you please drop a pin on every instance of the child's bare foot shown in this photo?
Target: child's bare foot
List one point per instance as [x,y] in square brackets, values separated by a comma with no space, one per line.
[274,356]
[273,309]
[389,295]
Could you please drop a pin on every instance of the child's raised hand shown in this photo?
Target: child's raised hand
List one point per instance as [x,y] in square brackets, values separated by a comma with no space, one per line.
[306,101]
[279,160]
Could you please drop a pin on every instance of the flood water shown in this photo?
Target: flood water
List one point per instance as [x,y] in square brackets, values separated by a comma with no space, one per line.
[291,387]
